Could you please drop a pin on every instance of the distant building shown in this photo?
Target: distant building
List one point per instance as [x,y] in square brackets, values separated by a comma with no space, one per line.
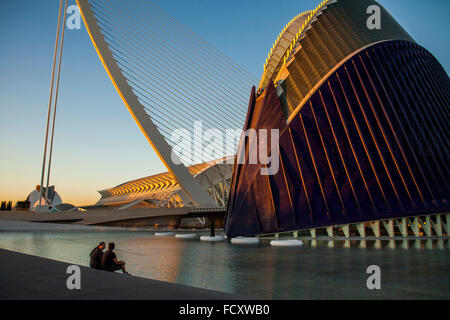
[53,197]
[162,190]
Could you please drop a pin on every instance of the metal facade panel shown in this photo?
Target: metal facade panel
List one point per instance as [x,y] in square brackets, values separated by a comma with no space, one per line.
[371,143]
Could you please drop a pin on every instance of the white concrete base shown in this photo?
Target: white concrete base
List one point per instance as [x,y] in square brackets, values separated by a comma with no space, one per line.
[164,234]
[212,239]
[187,236]
[244,240]
[286,243]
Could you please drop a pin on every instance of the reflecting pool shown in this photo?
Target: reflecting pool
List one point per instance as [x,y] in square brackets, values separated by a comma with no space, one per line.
[321,269]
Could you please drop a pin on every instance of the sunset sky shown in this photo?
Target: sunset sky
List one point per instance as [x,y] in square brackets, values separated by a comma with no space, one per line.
[97,143]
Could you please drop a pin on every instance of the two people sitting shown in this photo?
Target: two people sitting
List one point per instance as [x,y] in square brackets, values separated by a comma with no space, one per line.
[106,260]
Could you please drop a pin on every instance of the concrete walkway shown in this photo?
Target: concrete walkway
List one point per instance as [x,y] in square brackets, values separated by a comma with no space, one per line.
[29,277]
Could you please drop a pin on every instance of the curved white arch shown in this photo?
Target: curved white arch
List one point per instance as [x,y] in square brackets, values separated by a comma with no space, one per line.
[191,187]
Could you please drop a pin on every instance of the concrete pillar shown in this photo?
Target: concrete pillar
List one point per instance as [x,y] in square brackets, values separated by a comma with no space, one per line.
[330,232]
[403,226]
[437,226]
[429,244]
[446,223]
[346,229]
[361,229]
[414,223]
[347,244]
[313,233]
[426,226]
[440,244]
[330,244]
[375,226]
[295,234]
[389,226]
[276,235]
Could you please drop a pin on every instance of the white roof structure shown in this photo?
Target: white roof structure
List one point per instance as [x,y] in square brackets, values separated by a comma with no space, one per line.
[163,190]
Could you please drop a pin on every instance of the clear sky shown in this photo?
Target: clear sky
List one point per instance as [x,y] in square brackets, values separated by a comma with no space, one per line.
[97,144]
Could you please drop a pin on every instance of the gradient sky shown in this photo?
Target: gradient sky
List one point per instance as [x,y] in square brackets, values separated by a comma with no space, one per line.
[97,143]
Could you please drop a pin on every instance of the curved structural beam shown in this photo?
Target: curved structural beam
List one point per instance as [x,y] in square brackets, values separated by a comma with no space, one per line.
[275,59]
[192,188]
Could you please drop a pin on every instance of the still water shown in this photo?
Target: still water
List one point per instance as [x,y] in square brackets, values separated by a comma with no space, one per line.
[410,269]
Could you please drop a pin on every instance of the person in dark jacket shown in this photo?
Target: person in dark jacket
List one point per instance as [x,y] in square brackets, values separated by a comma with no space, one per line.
[96,256]
[110,262]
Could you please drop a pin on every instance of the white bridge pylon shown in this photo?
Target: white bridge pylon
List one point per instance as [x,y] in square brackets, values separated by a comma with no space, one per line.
[196,193]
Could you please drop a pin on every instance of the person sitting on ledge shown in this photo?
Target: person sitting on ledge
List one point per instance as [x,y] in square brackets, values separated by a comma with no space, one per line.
[96,256]
[110,262]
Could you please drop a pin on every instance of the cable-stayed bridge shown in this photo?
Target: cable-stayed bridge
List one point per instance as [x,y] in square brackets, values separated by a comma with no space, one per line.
[176,86]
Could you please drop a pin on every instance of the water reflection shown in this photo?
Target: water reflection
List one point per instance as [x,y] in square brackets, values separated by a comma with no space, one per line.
[321,269]
[420,244]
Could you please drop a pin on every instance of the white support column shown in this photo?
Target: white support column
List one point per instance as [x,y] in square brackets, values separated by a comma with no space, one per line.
[446,224]
[313,233]
[426,225]
[389,226]
[375,226]
[295,234]
[414,223]
[330,232]
[403,226]
[361,227]
[437,226]
[346,230]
